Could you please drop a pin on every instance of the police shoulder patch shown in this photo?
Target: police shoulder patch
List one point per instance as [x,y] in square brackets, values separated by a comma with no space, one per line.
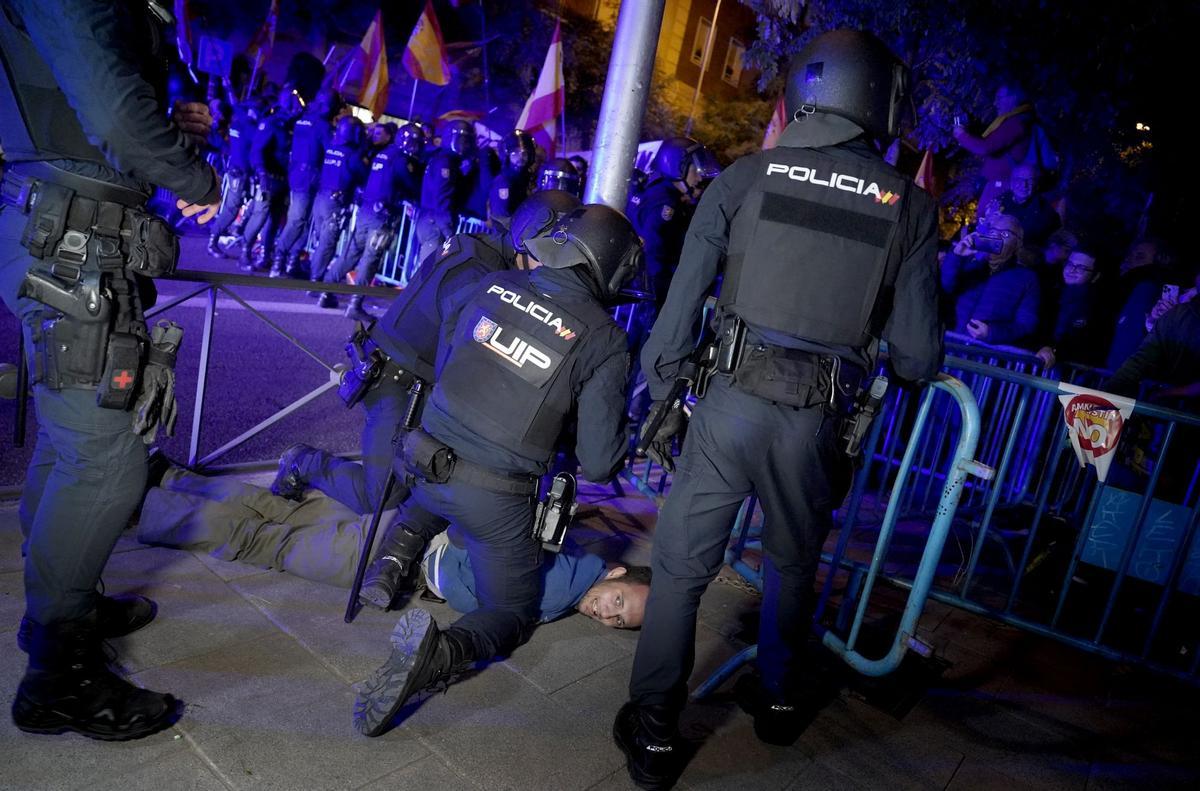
[445,173]
[503,192]
[668,212]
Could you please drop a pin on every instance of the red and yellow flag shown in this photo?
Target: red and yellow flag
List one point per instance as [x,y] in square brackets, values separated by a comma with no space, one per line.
[374,91]
[260,46]
[924,177]
[775,127]
[425,55]
[546,103]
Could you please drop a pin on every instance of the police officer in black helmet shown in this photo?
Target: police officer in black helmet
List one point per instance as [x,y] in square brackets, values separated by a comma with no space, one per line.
[824,249]
[559,174]
[519,352]
[511,186]
[85,132]
[660,210]
[446,187]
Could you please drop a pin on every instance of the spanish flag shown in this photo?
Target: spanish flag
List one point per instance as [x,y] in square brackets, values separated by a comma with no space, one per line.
[425,55]
[264,39]
[779,120]
[546,103]
[374,91]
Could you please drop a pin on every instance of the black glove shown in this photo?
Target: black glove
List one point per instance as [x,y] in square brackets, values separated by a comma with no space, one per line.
[658,446]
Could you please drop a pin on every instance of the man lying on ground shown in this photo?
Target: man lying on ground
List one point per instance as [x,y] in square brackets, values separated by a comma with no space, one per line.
[318,538]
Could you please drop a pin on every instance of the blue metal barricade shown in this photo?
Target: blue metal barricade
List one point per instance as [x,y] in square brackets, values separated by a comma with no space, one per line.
[959,465]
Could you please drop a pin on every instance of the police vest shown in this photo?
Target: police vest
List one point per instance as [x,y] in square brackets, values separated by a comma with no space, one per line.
[36,121]
[308,144]
[809,245]
[410,328]
[508,375]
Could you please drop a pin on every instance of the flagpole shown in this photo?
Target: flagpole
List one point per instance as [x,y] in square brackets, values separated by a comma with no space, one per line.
[558,26]
[413,101]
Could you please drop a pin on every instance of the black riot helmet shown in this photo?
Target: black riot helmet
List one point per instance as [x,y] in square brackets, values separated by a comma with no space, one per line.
[348,132]
[537,213]
[459,136]
[518,141]
[676,154]
[851,74]
[596,237]
[327,103]
[558,174]
[411,140]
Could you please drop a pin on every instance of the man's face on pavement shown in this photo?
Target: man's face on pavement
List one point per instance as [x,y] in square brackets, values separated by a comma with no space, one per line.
[614,602]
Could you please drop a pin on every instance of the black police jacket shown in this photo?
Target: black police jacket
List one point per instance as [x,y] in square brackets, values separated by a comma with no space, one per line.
[519,353]
[410,328]
[661,218]
[906,315]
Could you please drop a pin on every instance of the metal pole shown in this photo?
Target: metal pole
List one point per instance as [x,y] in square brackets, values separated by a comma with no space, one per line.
[630,70]
[708,45]
[413,101]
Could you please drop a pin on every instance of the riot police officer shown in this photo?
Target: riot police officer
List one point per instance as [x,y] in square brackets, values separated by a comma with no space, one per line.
[558,174]
[521,352]
[409,331]
[581,168]
[446,187]
[237,172]
[511,187]
[342,172]
[311,135]
[824,250]
[402,345]
[86,139]
[660,211]
[395,179]
[269,158]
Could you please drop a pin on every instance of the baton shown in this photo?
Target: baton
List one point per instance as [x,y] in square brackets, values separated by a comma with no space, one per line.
[408,424]
[352,606]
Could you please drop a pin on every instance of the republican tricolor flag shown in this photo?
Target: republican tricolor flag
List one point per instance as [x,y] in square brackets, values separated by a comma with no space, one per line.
[374,91]
[425,55]
[545,104]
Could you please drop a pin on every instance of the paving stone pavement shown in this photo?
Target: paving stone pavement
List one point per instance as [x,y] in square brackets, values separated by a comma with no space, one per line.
[267,668]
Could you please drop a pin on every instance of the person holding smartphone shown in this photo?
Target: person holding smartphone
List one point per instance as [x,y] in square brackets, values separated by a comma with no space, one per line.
[990,297]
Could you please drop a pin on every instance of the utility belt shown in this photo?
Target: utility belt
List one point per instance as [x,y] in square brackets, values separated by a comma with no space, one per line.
[799,379]
[369,367]
[428,459]
[88,238]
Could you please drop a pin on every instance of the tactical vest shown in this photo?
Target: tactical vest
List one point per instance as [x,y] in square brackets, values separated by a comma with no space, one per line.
[808,248]
[409,331]
[308,146]
[508,375]
[36,122]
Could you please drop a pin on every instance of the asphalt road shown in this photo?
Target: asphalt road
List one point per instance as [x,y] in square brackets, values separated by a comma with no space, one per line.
[253,373]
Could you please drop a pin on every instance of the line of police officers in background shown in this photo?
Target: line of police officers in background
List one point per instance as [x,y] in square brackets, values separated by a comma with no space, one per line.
[293,173]
[824,251]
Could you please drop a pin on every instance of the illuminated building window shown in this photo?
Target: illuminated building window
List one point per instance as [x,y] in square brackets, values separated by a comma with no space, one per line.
[698,42]
[732,73]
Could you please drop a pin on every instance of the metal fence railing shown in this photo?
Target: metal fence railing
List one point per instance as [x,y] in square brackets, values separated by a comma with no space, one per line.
[1112,568]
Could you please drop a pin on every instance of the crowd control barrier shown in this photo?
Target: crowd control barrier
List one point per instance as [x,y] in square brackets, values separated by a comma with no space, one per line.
[1110,567]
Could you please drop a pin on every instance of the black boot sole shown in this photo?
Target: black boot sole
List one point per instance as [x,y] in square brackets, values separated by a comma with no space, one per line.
[387,689]
[33,718]
[377,596]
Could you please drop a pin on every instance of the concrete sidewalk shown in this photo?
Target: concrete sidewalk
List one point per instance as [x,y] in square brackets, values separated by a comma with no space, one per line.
[267,669]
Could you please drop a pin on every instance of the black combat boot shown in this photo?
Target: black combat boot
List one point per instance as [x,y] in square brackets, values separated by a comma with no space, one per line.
[278,264]
[778,720]
[422,656]
[116,616]
[214,247]
[289,481]
[649,738]
[69,687]
[246,260]
[327,300]
[356,312]
[295,267]
[397,555]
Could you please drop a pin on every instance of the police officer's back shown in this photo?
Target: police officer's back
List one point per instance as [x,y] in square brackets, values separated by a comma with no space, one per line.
[824,250]
[84,129]
[519,352]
